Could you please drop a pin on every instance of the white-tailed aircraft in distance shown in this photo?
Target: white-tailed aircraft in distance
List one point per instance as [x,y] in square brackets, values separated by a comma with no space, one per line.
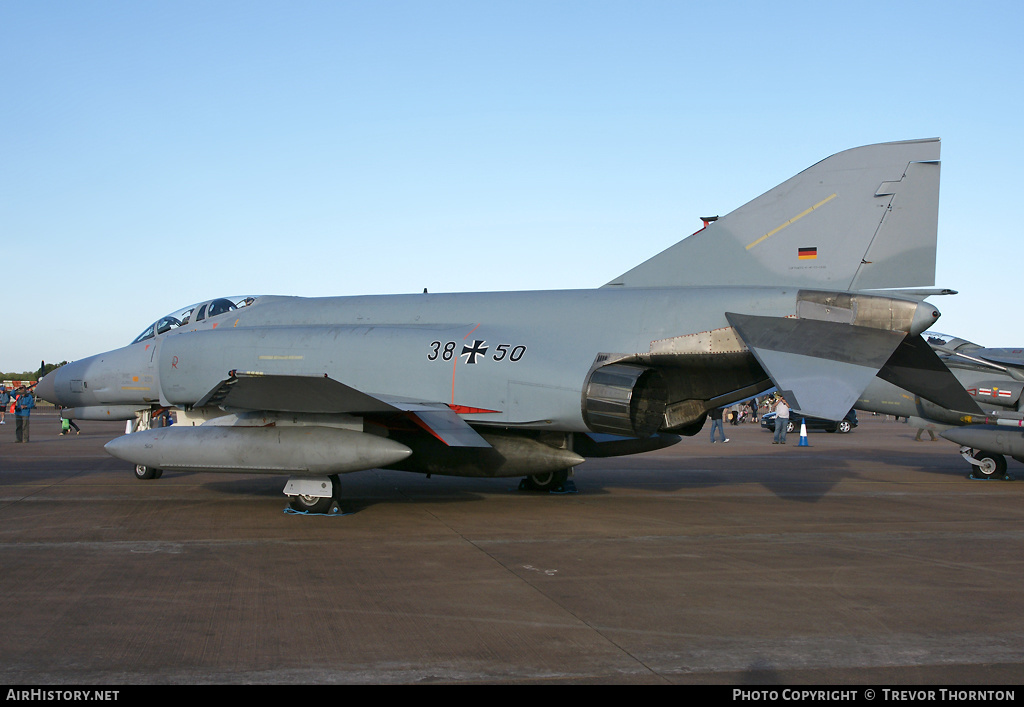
[785,291]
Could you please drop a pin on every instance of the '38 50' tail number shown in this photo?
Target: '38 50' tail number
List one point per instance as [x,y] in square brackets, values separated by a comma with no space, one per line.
[445,351]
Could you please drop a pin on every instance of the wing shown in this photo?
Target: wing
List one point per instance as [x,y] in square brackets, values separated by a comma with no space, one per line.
[323,395]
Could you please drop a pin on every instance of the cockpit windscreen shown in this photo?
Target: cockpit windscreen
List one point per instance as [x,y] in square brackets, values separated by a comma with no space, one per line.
[948,342]
[193,313]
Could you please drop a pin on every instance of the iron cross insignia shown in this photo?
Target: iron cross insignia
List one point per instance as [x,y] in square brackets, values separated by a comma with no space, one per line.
[471,352]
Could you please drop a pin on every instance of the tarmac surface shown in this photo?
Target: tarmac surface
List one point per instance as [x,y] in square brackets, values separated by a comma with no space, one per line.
[861,558]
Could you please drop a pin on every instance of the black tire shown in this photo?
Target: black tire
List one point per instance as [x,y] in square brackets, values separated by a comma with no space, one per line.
[146,473]
[317,504]
[790,428]
[550,481]
[310,504]
[993,466]
[844,426]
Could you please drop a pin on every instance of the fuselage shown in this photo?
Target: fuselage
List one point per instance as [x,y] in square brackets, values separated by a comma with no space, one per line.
[512,358]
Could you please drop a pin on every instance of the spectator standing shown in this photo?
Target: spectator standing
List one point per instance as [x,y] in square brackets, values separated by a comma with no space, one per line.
[781,421]
[22,409]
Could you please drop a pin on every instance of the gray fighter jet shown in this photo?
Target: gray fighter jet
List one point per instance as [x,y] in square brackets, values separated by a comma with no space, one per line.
[987,432]
[785,291]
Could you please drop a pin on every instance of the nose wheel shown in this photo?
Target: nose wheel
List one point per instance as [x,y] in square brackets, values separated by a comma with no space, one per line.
[985,465]
[991,466]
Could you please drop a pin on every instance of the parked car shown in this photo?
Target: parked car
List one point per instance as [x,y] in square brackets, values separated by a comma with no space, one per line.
[813,423]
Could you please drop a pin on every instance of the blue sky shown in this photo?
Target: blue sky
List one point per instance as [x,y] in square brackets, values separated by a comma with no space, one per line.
[159,154]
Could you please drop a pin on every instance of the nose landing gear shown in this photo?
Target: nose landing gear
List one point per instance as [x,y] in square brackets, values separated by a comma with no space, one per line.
[985,465]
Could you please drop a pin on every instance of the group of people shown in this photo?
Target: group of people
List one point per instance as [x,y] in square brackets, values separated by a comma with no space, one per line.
[23,403]
[780,407]
[743,412]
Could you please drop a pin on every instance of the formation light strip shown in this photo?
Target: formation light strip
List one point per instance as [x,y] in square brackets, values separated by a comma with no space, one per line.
[790,222]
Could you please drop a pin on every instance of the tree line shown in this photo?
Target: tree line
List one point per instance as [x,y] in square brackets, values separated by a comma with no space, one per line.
[43,369]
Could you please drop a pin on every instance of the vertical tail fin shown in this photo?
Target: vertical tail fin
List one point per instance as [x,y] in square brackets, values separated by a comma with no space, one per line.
[865,218]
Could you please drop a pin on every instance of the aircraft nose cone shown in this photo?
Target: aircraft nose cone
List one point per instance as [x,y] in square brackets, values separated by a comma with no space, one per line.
[46,388]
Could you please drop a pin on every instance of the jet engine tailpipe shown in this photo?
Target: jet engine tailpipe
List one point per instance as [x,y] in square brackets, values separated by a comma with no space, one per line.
[624,400]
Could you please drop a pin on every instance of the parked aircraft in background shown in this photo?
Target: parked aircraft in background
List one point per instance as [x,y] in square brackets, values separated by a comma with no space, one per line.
[993,378]
[847,424]
[533,383]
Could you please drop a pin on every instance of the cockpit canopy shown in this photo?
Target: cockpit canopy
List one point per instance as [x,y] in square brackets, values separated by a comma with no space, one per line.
[193,314]
[946,342]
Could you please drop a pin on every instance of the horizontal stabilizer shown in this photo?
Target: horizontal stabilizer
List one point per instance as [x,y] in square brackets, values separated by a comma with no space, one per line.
[820,367]
[915,367]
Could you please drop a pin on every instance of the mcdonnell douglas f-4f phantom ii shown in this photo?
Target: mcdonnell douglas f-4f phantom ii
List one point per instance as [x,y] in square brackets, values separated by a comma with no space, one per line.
[784,291]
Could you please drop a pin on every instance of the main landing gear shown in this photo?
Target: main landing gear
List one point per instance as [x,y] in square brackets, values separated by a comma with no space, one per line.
[314,495]
[146,473]
[550,482]
[985,465]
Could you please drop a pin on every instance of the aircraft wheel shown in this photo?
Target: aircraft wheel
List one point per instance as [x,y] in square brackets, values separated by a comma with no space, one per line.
[310,504]
[545,482]
[316,504]
[145,473]
[993,466]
